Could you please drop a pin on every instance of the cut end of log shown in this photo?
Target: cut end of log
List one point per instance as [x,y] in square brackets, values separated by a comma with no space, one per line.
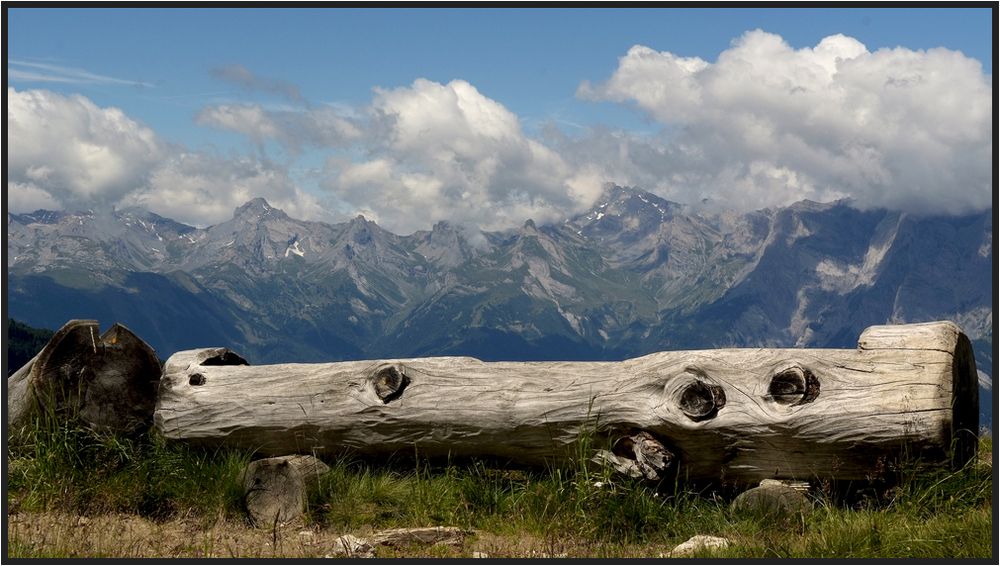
[961,431]
[965,403]
[107,380]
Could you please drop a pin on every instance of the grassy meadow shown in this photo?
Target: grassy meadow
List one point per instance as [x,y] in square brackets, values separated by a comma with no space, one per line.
[74,493]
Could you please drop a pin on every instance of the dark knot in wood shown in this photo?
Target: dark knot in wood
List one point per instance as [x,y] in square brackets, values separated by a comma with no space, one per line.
[225,358]
[389,382]
[196,379]
[794,386]
[701,401]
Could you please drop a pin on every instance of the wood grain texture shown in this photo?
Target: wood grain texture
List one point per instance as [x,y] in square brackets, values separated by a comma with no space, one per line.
[739,415]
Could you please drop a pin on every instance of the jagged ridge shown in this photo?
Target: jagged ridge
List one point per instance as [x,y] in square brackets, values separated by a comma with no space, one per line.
[634,274]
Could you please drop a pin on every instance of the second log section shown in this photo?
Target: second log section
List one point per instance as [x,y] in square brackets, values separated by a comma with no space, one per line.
[739,415]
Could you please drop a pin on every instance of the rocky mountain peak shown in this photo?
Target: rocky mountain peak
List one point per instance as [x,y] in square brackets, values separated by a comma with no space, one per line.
[442,228]
[444,233]
[625,214]
[37,217]
[257,209]
[363,232]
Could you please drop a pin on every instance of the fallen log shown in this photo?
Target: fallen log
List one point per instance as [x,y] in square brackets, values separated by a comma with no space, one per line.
[108,381]
[739,415]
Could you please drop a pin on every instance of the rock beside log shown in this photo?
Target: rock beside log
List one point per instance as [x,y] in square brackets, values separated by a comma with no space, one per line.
[276,488]
[109,381]
[773,500]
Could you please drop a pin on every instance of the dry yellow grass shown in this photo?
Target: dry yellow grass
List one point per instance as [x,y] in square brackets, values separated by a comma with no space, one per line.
[56,535]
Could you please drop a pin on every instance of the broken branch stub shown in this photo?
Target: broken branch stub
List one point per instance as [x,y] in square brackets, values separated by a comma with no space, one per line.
[741,415]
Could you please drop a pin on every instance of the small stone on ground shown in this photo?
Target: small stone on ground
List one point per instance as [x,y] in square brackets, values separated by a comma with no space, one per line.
[697,543]
[350,545]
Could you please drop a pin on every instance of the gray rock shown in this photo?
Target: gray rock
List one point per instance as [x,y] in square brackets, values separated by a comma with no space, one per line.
[276,487]
[772,500]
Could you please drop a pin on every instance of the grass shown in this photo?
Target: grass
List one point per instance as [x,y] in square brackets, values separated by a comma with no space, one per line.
[144,489]
[70,469]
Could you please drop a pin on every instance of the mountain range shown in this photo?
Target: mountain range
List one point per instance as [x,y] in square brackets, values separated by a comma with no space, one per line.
[633,275]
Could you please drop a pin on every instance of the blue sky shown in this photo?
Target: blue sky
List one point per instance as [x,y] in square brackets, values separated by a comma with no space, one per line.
[164,67]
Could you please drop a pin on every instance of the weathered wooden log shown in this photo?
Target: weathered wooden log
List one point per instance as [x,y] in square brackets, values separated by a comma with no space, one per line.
[276,487]
[739,415]
[108,380]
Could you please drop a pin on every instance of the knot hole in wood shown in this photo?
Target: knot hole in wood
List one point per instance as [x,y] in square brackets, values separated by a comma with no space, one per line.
[793,386]
[701,401]
[389,382]
[225,358]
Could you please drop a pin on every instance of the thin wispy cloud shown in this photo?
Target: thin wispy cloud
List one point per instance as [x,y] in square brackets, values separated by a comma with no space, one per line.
[31,71]
[240,75]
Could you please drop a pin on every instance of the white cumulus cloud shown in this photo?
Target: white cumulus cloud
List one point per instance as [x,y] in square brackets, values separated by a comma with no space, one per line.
[203,189]
[67,152]
[446,151]
[73,150]
[767,124]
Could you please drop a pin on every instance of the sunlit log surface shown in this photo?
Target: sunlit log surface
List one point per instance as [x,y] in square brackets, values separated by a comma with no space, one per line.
[738,415]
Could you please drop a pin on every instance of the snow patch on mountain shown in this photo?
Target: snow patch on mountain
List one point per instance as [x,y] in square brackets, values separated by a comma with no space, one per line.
[295,249]
[799,325]
[842,278]
[985,381]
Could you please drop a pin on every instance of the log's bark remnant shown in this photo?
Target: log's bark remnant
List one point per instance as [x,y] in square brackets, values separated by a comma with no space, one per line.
[109,381]
[740,415]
